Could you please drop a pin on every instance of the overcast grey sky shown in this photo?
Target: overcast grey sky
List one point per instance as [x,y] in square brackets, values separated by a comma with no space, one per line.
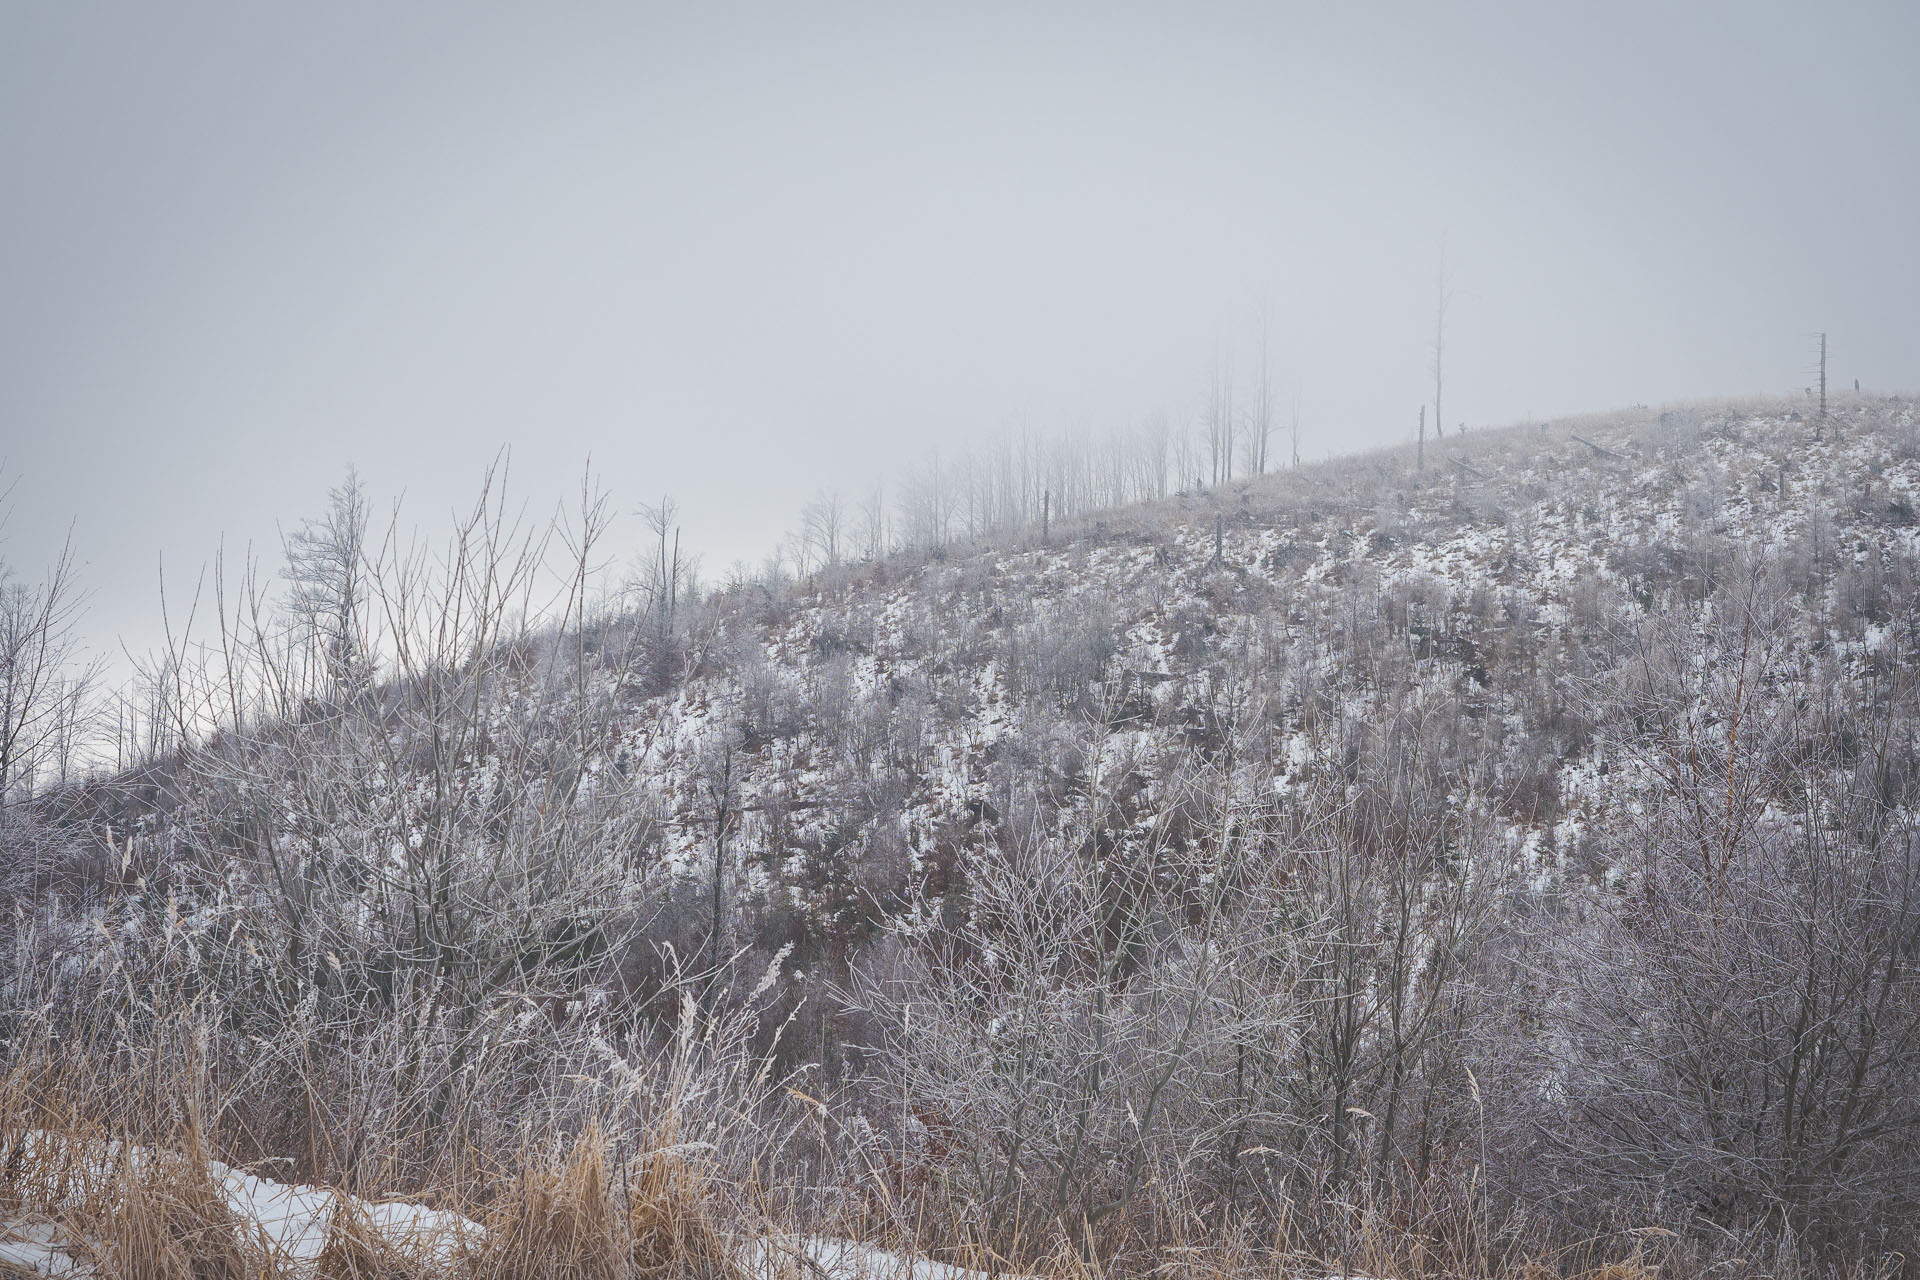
[740,253]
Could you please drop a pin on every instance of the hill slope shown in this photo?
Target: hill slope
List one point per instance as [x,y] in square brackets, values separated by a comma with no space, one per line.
[1457,862]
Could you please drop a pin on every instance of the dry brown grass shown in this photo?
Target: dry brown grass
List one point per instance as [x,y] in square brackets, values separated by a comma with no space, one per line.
[673,1220]
[1633,1268]
[579,1219]
[164,1215]
[669,1212]
[129,1212]
[356,1250]
[166,1219]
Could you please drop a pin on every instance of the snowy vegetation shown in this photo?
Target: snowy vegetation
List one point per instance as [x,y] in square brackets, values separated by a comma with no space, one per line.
[1500,865]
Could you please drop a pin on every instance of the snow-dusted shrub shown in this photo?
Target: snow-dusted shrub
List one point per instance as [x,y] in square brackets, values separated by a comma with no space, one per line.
[1730,1027]
[1906,440]
[830,699]
[1675,431]
[1062,655]
[1705,499]
[771,704]
[1066,1051]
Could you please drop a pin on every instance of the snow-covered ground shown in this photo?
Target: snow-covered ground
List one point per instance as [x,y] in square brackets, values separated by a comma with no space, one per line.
[292,1221]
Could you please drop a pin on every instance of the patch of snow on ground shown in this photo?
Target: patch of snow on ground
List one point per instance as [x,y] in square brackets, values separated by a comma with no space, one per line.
[293,1219]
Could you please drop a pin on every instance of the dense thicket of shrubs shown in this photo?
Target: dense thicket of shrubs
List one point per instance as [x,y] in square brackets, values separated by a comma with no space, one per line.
[1457,871]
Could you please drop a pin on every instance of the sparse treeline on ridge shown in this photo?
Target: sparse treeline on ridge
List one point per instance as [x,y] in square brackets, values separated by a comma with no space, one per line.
[1027,479]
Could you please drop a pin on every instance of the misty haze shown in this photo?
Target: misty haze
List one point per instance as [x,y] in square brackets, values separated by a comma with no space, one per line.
[863,642]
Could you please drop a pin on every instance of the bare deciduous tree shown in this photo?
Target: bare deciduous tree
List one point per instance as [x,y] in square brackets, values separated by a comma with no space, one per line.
[823,531]
[1260,412]
[45,675]
[1443,294]
[326,571]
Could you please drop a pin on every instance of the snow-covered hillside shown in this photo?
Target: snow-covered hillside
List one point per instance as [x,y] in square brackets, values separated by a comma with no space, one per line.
[1462,859]
[909,698]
